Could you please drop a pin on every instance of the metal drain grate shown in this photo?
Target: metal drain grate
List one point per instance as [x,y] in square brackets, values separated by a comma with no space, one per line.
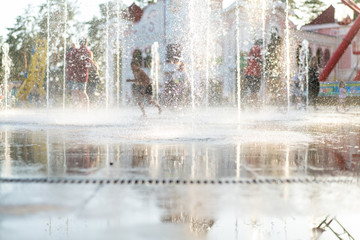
[181,182]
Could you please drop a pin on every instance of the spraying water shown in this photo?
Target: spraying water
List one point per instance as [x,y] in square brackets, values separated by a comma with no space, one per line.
[287,42]
[65,43]
[238,67]
[207,74]
[107,78]
[191,46]
[118,63]
[200,28]
[155,66]
[6,62]
[48,56]
[303,75]
[263,14]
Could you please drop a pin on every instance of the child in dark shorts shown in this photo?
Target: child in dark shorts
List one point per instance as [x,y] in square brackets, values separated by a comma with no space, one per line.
[148,90]
[142,87]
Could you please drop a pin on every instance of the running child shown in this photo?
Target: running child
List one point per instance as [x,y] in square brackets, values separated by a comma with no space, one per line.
[144,88]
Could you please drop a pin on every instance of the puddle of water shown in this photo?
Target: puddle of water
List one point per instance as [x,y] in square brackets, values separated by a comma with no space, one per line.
[178,146]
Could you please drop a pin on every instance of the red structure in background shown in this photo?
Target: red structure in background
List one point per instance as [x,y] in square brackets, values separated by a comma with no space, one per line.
[356,9]
[135,13]
[343,45]
[351,5]
[327,16]
[355,51]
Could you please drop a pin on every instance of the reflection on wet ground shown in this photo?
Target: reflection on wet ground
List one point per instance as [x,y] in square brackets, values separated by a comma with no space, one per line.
[322,145]
[49,153]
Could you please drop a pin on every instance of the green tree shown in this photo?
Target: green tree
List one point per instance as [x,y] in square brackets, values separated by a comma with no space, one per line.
[97,28]
[291,3]
[97,35]
[21,38]
[308,10]
[29,26]
[1,59]
[59,33]
[315,7]
[143,3]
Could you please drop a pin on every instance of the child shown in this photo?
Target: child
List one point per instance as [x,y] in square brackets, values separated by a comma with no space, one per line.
[342,96]
[144,88]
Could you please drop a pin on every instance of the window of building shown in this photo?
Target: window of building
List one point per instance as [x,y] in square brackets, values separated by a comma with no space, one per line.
[319,57]
[326,56]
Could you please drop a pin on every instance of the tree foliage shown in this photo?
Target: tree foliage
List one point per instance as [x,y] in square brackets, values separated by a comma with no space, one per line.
[97,28]
[110,12]
[291,3]
[29,26]
[315,7]
[308,10]
[21,38]
[143,3]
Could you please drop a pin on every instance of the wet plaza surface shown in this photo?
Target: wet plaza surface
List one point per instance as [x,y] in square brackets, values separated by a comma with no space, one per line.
[211,174]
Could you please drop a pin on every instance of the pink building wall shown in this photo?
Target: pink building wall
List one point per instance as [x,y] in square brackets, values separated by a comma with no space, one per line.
[345,60]
[329,31]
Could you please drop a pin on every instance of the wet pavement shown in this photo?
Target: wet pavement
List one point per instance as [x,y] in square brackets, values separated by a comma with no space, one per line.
[211,174]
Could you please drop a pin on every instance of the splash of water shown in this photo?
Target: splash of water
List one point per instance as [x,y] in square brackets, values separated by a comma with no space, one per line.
[155,66]
[207,73]
[107,77]
[202,21]
[118,63]
[65,43]
[48,56]
[303,74]
[202,28]
[238,66]
[190,49]
[263,14]
[287,42]
[6,62]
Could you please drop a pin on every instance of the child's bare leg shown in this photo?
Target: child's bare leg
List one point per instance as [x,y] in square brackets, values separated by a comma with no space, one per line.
[141,105]
[254,99]
[153,102]
[344,106]
[77,97]
[84,99]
